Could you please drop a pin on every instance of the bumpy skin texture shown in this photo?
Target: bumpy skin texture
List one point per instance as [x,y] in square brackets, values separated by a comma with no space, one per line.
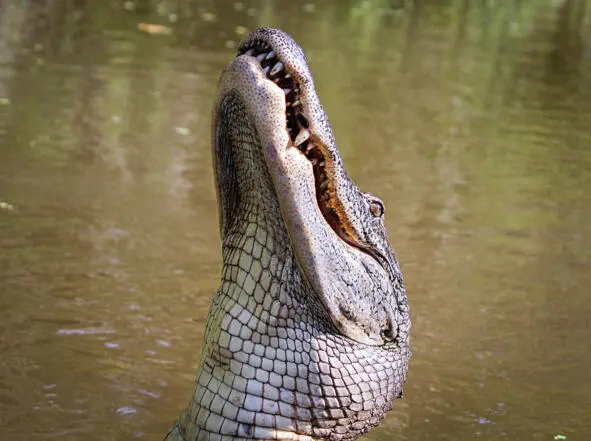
[281,360]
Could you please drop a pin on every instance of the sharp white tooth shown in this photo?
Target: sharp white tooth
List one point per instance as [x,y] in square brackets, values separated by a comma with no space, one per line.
[302,136]
[309,147]
[270,55]
[249,52]
[321,163]
[288,75]
[277,68]
[286,91]
[261,57]
[296,103]
[266,70]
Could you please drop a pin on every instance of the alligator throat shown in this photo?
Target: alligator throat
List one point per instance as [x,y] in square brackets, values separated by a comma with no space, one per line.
[307,338]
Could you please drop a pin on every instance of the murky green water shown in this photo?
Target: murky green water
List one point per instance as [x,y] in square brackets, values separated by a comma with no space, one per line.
[471,119]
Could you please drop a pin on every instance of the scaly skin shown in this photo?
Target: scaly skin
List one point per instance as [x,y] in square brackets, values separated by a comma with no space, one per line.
[308,335]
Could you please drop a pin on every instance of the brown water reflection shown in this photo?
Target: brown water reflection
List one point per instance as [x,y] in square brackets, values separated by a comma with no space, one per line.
[471,119]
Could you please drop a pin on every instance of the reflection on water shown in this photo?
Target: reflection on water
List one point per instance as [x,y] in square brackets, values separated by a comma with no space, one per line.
[469,118]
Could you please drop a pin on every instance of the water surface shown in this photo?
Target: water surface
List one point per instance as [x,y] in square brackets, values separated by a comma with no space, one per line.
[471,119]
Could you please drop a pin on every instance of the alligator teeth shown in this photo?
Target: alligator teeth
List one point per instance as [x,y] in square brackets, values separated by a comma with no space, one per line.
[288,75]
[270,55]
[296,103]
[277,68]
[261,57]
[321,163]
[285,91]
[249,52]
[266,70]
[302,136]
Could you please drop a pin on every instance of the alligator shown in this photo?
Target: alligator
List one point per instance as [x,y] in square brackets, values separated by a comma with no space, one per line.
[307,337]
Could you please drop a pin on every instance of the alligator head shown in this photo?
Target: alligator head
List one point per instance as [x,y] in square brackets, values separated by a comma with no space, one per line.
[308,335]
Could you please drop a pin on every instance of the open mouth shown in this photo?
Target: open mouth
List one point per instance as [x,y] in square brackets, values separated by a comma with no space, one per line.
[307,143]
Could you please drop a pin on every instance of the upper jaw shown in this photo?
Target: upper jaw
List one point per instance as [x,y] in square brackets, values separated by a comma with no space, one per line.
[293,61]
[284,64]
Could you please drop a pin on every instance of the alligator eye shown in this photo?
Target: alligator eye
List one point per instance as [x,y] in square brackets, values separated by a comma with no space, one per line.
[376,208]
